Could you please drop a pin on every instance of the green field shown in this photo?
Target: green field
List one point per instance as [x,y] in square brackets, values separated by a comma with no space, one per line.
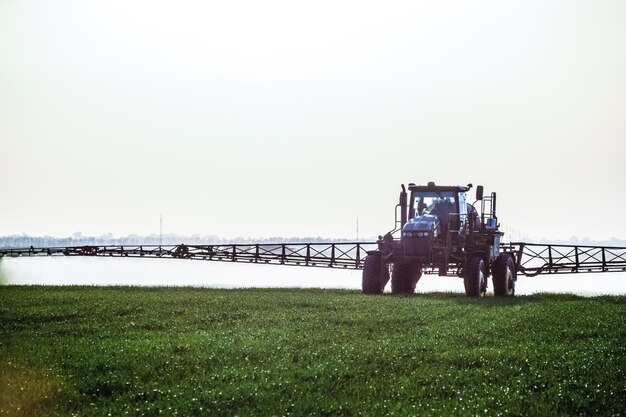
[164,351]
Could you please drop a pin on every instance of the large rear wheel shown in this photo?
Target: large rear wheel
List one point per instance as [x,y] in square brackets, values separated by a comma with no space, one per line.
[404,278]
[375,275]
[475,277]
[504,276]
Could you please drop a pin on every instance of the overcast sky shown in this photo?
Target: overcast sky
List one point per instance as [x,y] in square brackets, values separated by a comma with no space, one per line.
[289,118]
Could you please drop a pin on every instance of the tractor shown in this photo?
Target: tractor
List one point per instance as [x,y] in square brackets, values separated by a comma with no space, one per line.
[441,232]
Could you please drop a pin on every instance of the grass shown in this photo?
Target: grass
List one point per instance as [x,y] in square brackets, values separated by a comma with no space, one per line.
[164,351]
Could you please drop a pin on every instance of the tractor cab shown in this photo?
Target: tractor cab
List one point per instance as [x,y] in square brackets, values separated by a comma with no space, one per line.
[445,205]
[437,217]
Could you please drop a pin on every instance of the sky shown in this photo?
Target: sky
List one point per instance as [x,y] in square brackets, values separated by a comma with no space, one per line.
[290,118]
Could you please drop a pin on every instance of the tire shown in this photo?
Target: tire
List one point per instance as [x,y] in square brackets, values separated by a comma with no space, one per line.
[475,278]
[374,277]
[504,276]
[404,278]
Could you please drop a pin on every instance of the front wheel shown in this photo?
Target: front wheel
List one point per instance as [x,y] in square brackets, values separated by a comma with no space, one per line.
[475,278]
[375,276]
[404,278]
[504,276]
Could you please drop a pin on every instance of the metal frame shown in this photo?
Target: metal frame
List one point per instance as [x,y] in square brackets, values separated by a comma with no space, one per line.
[336,255]
[531,258]
[536,258]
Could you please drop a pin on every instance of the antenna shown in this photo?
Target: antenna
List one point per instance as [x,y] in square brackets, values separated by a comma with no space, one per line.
[160,230]
[357,227]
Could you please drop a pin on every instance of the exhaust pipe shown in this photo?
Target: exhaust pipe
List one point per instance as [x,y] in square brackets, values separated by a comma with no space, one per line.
[403,207]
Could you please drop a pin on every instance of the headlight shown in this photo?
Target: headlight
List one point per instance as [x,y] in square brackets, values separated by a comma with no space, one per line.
[415,234]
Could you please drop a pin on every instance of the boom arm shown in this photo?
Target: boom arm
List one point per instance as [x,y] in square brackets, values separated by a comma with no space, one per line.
[531,259]
[538,258]
[338,255]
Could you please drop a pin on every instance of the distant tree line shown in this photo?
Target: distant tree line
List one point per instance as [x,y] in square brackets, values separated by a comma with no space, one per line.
[574,240]
[77,239]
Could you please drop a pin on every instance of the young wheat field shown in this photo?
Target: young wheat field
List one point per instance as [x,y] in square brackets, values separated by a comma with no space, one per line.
[113,351]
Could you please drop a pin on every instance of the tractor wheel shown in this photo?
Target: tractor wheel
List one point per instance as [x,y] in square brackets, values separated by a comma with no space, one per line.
[404,278]
[504,276]
[374,277]
[475,279]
